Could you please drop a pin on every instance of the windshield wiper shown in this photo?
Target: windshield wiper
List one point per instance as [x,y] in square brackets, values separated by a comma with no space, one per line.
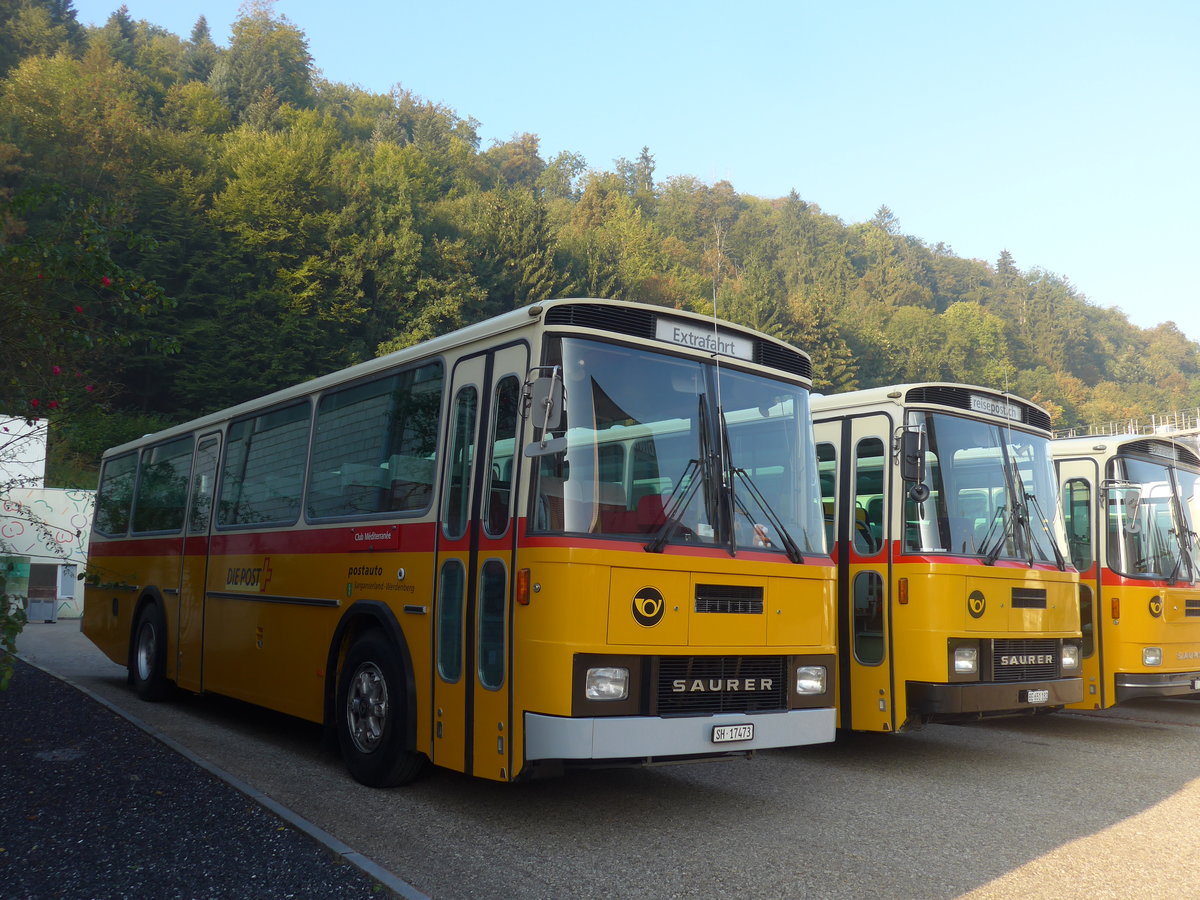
[676,503]
[1184,542]
[990,556]
[1059,560]
[791,548]
[789,543]
[700,472]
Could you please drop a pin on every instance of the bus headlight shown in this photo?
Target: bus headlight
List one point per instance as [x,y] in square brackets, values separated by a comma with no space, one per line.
[1152,656]
[1070,657]
[810,680]
[966,660]
[606,683]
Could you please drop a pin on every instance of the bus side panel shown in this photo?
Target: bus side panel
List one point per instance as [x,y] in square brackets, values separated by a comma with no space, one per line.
[270,619]
[112,598]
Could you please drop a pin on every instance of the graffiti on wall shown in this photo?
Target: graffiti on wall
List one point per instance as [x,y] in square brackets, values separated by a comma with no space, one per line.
[47,525]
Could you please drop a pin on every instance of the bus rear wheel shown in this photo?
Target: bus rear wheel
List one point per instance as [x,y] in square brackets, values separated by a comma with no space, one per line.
[148,663]
[371,716]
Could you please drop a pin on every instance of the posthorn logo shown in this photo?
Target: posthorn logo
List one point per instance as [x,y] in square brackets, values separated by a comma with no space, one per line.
[648,607]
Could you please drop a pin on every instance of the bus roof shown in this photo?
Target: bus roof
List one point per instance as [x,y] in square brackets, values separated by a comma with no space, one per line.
[1166,448]
[514,320]
[986,403]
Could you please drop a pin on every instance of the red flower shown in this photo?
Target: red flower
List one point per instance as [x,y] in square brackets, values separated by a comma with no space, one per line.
[105,280]
[34,402]
[57,370]
[78,308]
[88,388]
[54,404]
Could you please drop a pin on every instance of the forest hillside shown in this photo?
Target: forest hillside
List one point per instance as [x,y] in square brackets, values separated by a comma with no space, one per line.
[185,225]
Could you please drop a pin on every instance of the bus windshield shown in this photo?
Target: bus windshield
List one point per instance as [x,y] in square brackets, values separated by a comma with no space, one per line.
[674,450]
[992,493]
[1149,534]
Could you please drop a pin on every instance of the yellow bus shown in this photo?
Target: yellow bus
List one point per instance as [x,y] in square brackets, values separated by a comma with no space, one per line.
[581,533]
[955,597]
[1131,509]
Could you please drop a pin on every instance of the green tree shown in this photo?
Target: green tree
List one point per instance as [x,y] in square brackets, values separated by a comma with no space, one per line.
[37,28]
[975,349]
[265,54]
[201,54]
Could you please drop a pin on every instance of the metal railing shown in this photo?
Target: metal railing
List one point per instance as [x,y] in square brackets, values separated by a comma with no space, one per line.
[1182,424]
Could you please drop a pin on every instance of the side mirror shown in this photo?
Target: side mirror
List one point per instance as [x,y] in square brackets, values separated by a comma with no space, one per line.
[546,401]
[912,456]
[544,405]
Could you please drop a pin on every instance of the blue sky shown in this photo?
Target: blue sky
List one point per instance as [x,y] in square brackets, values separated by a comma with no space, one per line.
[1064,131]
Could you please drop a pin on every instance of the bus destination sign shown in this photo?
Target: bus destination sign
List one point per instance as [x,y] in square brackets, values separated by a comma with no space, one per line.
[994,407]
[685,334]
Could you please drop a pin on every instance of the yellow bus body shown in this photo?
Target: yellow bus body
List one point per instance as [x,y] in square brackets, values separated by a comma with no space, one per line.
[1141,622]
[272,614]
[906,610]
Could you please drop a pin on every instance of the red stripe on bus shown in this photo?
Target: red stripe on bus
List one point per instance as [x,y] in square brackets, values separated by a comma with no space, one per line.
[417,537]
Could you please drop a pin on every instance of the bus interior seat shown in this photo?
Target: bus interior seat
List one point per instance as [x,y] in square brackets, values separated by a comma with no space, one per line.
[875,517]
[645,518]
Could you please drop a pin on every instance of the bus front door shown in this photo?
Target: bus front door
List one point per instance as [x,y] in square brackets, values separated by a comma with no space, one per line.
[193,569]
[865,620]
[476,541]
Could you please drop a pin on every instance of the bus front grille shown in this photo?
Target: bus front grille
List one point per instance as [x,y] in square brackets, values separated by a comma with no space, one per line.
[729,598]
[1025,660]
[1029,598]
[699,685]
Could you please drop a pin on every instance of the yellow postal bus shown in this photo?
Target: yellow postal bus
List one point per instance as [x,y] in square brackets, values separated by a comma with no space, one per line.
[1131,505]
[955,597]
[581,533]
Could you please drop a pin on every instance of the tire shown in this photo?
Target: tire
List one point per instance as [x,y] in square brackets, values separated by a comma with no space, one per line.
[148,655]
[371,715]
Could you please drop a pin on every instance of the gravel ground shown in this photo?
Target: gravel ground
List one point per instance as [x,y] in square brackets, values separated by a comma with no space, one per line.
[93,807]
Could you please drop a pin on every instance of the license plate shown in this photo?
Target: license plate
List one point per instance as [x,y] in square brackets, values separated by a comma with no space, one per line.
[1037,696]
[724,734]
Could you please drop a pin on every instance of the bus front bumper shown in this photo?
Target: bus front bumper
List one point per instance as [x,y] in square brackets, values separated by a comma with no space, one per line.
[973,699]
[1158,684]
[626,737]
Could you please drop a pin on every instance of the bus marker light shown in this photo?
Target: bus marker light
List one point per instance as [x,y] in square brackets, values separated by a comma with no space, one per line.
[606,683]
[1152,656]
[523,587]
[1116,608]
[902,591]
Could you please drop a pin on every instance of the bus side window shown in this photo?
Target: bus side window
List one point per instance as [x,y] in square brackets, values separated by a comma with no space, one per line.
[1077,511]
[163,487]
[115,495]
[374,448]
[498,492]
[868,487]
[456,504]
[263,475]
[827,468]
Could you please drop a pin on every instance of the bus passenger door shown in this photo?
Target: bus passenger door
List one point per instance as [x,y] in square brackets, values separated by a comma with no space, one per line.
[194,566]
[473,607]
[864,593]
[1082,513]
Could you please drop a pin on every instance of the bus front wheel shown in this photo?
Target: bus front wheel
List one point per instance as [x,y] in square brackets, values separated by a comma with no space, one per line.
[148,666]
[370,716]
